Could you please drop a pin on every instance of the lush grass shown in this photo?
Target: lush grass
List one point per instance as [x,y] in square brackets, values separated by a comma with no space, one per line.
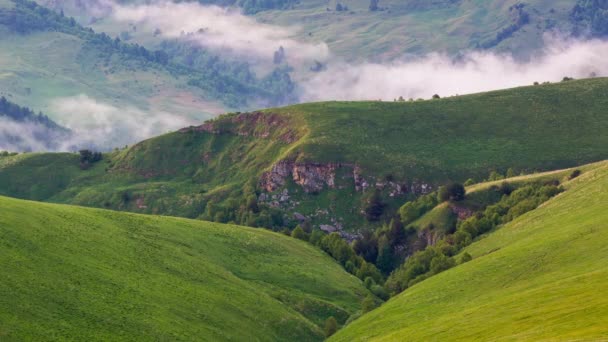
[527,128]
[430,142]
[441,217]
[72,273]
[537,278]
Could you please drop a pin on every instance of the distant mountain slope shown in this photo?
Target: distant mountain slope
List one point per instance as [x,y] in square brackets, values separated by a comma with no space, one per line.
[47,57]
[536,278]
[417,27]
[324,161]
[73,273]
[23,130]
[406,28]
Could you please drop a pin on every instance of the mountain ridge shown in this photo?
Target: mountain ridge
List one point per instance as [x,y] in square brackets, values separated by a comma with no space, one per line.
[323,160]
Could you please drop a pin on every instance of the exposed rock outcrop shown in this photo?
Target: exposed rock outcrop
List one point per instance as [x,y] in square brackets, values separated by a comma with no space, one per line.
[312,177]
[462,213]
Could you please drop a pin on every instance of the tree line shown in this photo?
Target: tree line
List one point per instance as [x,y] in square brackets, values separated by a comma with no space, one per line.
[232,82]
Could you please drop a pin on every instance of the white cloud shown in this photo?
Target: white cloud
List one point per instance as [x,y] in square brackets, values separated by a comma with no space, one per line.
[219,28]
[102,125]
[23,136]
[440,74]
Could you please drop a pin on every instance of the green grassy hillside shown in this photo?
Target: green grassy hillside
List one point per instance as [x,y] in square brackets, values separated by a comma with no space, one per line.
[417,27]
[536,278]
[71,273]
[329,156]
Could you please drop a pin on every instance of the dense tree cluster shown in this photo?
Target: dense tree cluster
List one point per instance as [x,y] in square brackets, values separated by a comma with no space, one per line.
[23,114]
[451,192]
[253,6]
[440,256]
[590,17]
[88,158]
[519,18]
[232,81]
[412,210]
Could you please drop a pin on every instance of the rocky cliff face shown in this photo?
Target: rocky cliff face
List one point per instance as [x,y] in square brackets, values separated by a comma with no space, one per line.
[311,178]
[314,177]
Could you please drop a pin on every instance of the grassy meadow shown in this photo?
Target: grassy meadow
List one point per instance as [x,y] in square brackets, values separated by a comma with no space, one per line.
[72,273]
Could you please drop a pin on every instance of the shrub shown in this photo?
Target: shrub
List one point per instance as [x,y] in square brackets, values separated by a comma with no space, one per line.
[374,207]
[331,326]
[299,234]
[511,173]
[506,188]
[315,237]
[441,263]
[574,174]
[368,304]
[494,176]
[452,192]
[466,257]
[380,292]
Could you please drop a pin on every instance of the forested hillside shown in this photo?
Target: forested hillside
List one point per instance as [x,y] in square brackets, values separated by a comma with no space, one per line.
[24,130]
[535,278]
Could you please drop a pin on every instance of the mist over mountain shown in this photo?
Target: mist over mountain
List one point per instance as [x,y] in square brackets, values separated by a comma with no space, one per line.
[303,170]
[247,57]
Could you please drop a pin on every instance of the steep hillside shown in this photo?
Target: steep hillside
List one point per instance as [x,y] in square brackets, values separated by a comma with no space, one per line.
[323,161]
[536,278]
[72,273]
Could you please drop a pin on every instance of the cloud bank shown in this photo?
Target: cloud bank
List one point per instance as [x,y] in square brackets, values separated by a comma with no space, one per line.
[18,136]
[218,28]
[440,74]
[103,126]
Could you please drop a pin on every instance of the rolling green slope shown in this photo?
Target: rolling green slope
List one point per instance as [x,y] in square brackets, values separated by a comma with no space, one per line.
[330,156]
[71,273]
[537,278]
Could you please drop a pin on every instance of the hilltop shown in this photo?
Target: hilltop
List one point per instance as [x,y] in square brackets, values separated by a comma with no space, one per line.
[534,278]
[323,161]
[79,273]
